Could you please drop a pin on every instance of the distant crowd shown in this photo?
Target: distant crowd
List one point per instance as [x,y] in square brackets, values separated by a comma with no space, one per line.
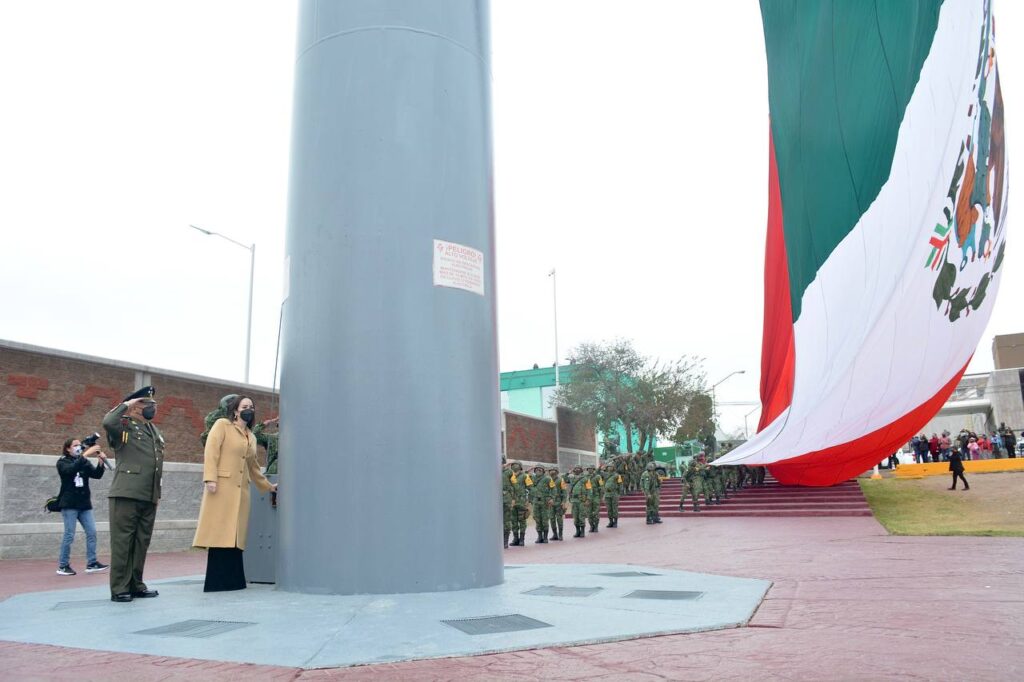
[969,445]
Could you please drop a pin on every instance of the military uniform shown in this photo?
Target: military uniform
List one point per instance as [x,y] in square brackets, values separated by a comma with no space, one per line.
[560,494]
[521,484]
[541,497]
[508,496]
[139,452]
[695,482]
[594,509]
[650,483]
[581,490]
[613,485]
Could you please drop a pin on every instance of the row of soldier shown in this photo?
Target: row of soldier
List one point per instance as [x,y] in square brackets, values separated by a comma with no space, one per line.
[548,493]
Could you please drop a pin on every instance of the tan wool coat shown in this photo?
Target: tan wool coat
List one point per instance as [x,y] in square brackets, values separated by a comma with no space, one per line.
[230,460]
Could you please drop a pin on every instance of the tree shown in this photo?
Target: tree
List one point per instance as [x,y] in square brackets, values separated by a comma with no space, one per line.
[699,422]
[614,384]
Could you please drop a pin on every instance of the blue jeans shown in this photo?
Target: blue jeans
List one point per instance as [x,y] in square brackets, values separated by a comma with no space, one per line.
[71,518]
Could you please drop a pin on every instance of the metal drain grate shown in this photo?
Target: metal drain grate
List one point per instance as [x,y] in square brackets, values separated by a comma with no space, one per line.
[486,625]
[627,574]
[555,591]
[83,604]
[676,595]
[199,629]
[509,568]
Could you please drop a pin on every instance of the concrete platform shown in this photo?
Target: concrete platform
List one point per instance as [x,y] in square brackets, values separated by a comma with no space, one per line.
[553,605]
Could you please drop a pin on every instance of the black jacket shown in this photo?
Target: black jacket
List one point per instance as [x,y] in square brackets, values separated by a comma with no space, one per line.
[956,462]
[70,496]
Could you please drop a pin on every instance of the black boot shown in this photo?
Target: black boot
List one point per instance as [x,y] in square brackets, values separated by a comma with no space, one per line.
[696,507]
[543,537]
[517,538]
[507,533]
[540,537]
[657,518]
[593,526]
[556,535]
[649,520]
[610,524]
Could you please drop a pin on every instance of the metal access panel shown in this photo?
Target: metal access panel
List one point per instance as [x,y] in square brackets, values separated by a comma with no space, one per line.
[628,574]
[82,604]
[199,629]
[556,591]
[488,625]
[260,554]
[670,595]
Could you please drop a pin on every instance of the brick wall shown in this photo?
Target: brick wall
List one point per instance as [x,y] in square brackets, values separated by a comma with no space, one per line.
[530,439]
[575,430]
[46,397]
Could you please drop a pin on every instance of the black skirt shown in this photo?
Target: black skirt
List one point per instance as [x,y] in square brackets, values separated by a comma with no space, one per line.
[224,570]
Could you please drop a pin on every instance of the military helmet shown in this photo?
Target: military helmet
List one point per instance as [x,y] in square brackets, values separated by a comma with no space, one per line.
[650,466]
[517,466]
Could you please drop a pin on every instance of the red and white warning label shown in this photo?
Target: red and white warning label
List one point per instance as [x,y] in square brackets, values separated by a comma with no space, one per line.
[458,267]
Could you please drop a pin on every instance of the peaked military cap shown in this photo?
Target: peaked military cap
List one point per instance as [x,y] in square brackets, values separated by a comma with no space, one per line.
[146,392]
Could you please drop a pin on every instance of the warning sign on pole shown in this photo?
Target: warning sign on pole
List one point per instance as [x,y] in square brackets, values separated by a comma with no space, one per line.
[458,267]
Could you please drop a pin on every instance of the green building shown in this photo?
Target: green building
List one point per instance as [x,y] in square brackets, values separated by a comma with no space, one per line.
[529,391]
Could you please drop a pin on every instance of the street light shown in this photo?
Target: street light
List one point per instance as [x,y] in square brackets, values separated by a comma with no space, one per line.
[252,269]
[554,295]
[746,431]
[714,409]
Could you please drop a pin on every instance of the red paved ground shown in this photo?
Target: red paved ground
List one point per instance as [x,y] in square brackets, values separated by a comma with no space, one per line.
[849,603]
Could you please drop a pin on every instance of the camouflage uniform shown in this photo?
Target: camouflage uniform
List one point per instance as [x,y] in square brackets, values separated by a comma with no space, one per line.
[581,490]
[594,510]
[650,483]
[508,496]
[613,484]
[558,496]
[521,483]
[710,483]
[695,481]
[541,498]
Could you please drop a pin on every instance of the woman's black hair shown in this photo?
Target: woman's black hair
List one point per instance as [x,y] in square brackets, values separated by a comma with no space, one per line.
[232,406]
[67,446]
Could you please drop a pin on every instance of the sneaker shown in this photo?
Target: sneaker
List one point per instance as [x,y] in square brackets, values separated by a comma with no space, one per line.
[65,570]
[96,567]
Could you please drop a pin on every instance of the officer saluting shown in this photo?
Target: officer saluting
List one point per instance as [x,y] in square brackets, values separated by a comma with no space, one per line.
[139,452]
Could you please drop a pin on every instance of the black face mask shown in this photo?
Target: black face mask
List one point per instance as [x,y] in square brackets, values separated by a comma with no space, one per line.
[149,412]
[248,416]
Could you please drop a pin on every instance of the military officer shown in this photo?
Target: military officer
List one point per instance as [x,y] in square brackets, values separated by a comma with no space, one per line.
[541,500]
[581,490]
[613,484]
[559,495]
[695,481]
[134,493]
[650,484]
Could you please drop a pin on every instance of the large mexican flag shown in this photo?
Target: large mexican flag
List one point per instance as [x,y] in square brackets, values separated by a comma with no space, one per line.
[886,225]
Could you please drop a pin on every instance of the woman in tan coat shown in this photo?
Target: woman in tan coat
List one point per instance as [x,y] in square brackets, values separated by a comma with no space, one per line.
[229,463]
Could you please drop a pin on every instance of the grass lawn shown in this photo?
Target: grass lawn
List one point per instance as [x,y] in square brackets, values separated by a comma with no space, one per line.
[993,506]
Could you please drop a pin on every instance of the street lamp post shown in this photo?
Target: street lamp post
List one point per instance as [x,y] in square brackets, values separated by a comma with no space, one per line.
[746,431]
[714,404]
[554,295]
[252,270]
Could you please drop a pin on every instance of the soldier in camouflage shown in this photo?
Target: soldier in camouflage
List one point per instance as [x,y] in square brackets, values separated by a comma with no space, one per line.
[594,510]
[508,497]
[650,483]
[542,500]
[521,484]
[694,477]
[613,484]
[581,491]
[559,496]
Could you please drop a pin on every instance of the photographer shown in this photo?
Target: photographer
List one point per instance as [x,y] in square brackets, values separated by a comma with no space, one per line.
[75,500]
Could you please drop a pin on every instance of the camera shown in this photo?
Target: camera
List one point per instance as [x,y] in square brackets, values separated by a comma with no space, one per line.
[89,441]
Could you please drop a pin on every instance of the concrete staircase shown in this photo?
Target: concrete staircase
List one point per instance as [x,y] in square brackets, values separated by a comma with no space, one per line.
[771,499]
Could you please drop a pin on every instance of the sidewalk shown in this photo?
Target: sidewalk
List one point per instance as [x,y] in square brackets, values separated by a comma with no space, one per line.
[849,603]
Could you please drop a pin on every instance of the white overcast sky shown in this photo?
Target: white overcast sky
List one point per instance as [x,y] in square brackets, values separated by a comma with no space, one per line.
[630,143]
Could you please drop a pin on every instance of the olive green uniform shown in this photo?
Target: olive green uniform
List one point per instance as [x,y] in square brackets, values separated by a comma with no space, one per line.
[139,451]
[580,493]
[613,484]
[594,509]
[508,496]
[542,500]
[521,483]
[695,483]
[559,496]
[650,484]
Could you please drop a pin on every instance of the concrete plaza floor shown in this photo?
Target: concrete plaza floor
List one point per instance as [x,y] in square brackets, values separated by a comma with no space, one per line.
[848,602]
